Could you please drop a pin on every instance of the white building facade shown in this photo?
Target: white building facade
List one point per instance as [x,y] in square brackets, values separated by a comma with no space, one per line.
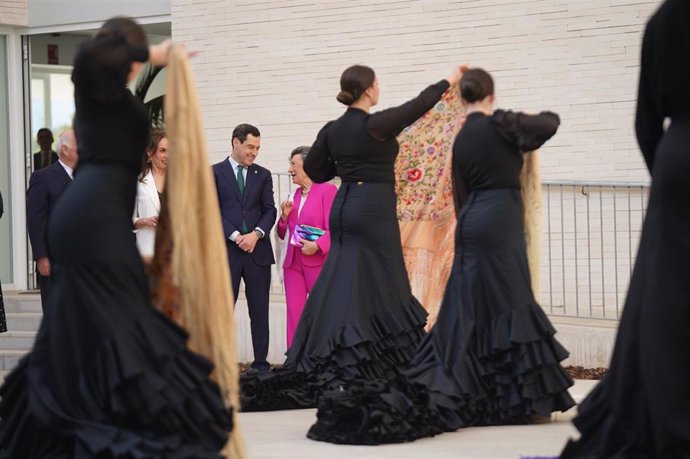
[276,64]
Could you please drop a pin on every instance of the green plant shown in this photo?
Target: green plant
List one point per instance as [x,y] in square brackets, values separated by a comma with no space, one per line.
[156,106]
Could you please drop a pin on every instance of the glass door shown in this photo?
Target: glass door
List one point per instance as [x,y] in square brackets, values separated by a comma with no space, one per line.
[52,99]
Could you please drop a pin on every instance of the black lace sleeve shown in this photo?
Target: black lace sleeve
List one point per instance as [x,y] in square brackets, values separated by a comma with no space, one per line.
[101,67]
[528,132]
[319,165]
[388,123]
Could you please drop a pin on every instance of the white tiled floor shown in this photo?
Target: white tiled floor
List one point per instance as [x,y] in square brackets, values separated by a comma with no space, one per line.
[275,435]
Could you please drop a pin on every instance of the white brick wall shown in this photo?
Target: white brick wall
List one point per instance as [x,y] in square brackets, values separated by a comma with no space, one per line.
[13,12]
[276,64]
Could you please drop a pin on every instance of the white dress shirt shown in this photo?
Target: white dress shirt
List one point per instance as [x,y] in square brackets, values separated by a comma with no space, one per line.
[235,165]
[67,169]
[301,202]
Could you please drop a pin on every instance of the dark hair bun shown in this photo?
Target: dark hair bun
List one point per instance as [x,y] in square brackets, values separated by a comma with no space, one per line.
[353,82]
[471,90]
[476,84]
[345,97]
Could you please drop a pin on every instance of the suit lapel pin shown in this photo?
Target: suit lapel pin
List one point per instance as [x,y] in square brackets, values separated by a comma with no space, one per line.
[255,171]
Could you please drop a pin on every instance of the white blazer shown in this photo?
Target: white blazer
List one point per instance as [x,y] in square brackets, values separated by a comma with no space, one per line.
[147,205]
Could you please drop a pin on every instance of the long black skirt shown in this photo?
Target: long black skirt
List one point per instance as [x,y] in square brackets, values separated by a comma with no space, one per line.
[490,359]
[361,320]
[641,408]
[108,375]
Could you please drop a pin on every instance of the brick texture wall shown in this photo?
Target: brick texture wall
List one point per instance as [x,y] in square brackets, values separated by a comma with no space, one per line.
[13,12]
[276,64]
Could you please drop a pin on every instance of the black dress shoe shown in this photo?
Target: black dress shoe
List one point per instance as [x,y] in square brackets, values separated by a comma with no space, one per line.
[259,367]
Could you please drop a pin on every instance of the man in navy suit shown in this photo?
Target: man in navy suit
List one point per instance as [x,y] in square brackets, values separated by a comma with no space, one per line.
[46,185]
[248,212]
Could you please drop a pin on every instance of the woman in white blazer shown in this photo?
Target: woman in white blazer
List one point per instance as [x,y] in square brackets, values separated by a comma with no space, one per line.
[149,190]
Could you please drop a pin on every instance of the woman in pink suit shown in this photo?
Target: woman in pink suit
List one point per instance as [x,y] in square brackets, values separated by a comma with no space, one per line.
[310,205]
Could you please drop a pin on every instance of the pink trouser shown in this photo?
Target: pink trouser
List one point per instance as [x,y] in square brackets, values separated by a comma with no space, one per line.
[299,280]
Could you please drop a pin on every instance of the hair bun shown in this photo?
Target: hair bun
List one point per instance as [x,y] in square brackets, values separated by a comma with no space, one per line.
[345,97]
[476,84]
[470,90]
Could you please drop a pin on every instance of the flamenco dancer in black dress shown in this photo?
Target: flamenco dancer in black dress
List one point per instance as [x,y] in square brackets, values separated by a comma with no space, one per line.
[641,409]
[361,320]
[108,376]
[491,357]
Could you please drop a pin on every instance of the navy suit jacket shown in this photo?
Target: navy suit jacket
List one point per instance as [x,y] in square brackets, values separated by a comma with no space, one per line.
[37,159]
[45,188]
[256,205]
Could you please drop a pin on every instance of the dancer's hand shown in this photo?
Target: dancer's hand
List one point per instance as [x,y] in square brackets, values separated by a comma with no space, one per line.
[309,247]
[285,208]
[456,75]
[158,54]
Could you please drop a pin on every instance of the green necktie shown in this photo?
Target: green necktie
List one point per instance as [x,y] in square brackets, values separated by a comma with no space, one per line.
[240,178]
[240,184]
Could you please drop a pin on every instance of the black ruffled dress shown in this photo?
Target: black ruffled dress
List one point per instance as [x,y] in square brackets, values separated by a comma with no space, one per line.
[491,358]
[361,320]
[108,376]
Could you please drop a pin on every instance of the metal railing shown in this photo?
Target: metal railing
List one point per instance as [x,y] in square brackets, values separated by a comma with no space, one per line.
[591,231]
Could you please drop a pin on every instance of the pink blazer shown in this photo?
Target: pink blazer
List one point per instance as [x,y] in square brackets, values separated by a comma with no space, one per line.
[316,212]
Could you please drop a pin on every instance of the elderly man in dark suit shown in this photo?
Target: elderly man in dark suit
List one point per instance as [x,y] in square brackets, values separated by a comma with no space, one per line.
[45,188]
[45,156]
[247,206]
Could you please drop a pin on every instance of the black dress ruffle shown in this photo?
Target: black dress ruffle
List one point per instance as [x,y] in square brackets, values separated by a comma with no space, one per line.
[508,375]
[347,330]
[378,350]
[145,395]
[490,359]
